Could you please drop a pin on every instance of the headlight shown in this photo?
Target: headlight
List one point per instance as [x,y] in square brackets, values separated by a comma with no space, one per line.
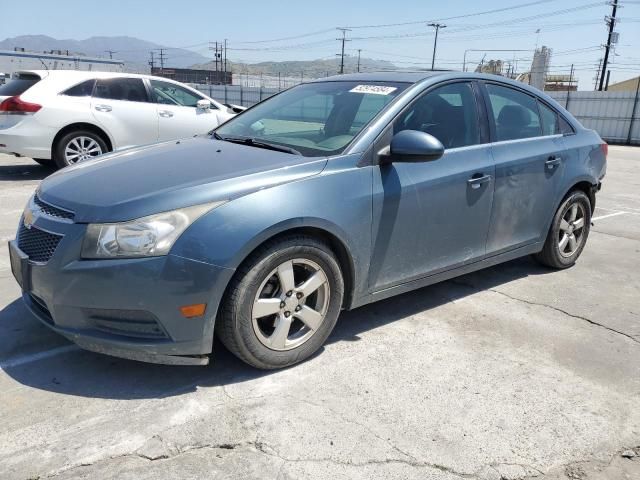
[150,236]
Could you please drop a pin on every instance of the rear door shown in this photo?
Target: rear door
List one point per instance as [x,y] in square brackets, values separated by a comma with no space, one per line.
[121,106]
[529,158]
[178,114]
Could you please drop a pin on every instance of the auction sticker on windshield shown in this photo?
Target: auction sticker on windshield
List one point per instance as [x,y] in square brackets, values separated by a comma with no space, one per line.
[374,89]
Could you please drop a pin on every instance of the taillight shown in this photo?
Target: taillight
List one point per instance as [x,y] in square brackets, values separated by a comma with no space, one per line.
[605,148]
[17,105]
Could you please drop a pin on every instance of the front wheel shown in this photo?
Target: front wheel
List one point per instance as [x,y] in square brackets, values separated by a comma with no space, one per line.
[568,234]
[282,304]
[78,146]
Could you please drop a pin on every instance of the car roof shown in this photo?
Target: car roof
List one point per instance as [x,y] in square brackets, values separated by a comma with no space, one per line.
[384,76]
[80,74]
[432,76]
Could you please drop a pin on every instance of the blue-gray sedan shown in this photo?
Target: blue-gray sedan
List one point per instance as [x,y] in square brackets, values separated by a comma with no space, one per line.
[329,196]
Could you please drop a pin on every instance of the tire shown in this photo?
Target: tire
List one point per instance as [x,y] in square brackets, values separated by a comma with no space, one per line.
[558,251]
[45,162]
[255,338]
[74,141]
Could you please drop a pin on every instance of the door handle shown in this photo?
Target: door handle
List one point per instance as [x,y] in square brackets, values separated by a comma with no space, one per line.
[103,108]
[165,113]
[553,161]
[476,182]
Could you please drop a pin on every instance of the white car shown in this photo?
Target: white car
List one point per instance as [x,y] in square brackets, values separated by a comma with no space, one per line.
[61,117]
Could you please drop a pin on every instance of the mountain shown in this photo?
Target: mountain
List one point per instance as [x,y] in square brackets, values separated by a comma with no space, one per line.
[133,51]
[136,54]
[310,68]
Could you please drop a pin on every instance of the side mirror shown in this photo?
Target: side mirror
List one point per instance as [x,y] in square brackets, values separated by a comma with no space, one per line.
[413,146]
[203,104]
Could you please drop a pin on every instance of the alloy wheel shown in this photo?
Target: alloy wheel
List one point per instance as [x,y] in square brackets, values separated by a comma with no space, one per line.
[571,232]
[81,148]
[291,304]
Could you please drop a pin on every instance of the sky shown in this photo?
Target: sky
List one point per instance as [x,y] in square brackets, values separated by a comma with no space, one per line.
[303,30]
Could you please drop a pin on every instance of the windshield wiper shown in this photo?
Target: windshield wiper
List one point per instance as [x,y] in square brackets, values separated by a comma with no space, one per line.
[252,142]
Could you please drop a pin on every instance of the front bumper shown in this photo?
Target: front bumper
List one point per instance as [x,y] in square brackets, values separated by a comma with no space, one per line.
[126,307]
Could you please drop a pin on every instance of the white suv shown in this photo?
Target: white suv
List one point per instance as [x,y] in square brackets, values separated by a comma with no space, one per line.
[64,116]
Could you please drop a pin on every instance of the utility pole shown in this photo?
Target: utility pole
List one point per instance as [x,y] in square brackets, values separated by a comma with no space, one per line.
[359,51]
[595,86]
[162,58]
[566,105]
[225,60]
[343,39]
[110,52]
[152,62]
[437,26]
[611,22]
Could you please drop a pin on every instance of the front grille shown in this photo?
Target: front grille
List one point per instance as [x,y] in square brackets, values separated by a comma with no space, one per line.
[130,323]
[37,244]
[52,211]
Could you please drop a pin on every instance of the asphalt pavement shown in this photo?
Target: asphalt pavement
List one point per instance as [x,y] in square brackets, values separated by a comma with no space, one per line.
[513,372]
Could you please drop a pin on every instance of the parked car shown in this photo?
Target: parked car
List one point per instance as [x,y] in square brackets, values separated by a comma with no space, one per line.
[60,117]
[332,195]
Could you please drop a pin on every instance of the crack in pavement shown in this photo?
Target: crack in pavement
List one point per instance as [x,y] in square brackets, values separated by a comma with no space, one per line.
[557,309]
[579,317]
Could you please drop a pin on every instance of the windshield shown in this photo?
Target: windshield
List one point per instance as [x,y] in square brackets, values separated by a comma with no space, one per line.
[314,119]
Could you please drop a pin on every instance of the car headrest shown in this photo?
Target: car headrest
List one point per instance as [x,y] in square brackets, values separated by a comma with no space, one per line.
[513,116]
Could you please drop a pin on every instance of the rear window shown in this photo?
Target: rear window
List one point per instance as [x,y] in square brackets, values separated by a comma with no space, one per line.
[18,84]
[83,89]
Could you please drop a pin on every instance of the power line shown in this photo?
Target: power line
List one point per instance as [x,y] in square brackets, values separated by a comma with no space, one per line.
[418,22]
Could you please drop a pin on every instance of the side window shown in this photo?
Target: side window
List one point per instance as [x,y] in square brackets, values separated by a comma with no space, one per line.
[449,113]
[83,89]
[128,89]
[565,127]
[171,94]
[549,120]
[515,113]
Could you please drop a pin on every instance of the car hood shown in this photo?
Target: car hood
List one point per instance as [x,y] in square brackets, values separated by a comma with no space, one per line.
[141,181]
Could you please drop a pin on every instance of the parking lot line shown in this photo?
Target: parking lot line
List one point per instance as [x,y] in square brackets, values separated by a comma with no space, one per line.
[607,216]
[34,357]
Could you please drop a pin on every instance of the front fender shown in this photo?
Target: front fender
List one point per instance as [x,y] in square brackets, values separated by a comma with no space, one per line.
[337,201]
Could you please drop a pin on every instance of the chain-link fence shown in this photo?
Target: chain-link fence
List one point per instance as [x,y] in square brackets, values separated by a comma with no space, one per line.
[237,94]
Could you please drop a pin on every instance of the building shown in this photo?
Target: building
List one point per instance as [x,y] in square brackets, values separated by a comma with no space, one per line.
[492,66]
[539,67]
[560,83]
[191,75]
[631,84]
[20,59]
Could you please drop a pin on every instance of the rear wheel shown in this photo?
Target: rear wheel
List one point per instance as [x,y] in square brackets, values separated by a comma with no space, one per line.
[568,234]
[78,146]
[282,304]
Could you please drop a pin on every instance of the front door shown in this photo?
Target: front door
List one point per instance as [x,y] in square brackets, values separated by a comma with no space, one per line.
[529,166]
[178,114]
[433,216]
